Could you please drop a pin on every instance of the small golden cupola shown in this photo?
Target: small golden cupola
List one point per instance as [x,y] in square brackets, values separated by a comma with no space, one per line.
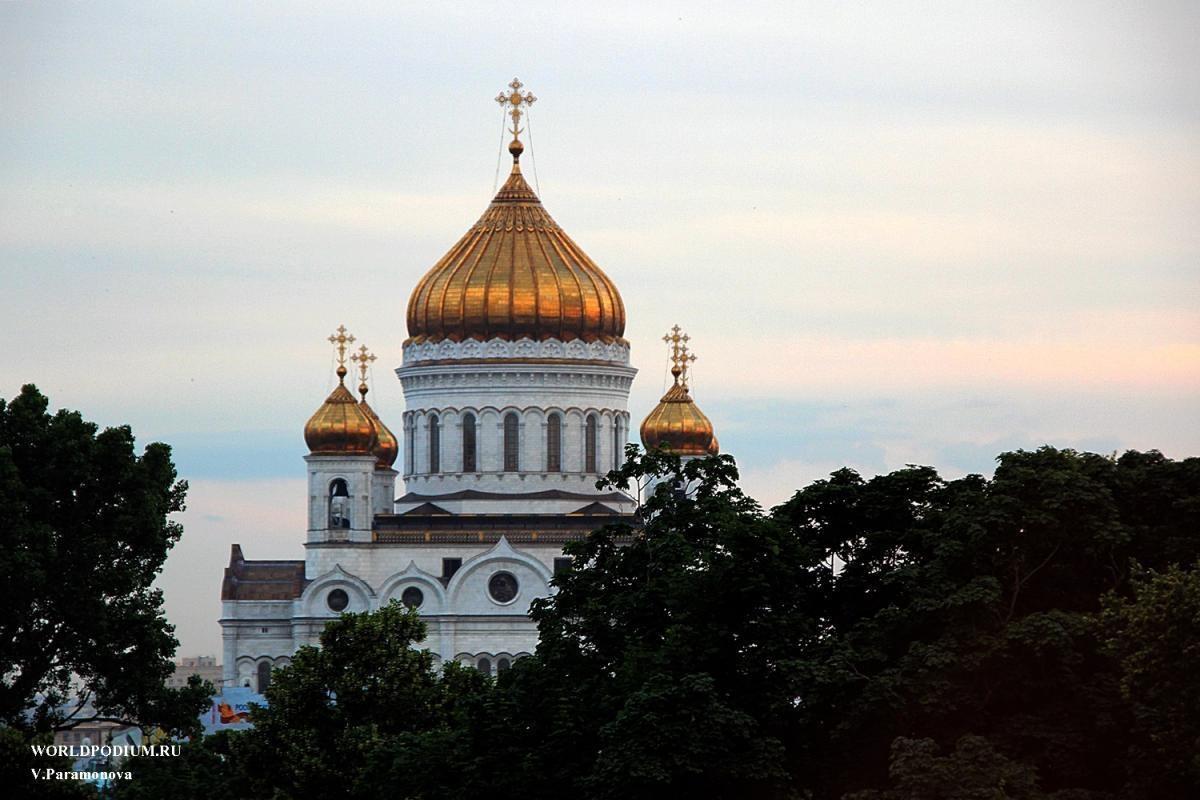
[515,274]
[387,448]
[340,426]
[677,423]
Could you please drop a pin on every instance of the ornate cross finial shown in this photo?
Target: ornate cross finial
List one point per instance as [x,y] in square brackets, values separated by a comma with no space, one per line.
[363,358]
[513,101]
[341,338]
[680,357]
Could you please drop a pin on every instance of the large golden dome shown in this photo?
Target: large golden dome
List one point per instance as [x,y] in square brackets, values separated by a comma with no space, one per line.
[516,275]
[340,425]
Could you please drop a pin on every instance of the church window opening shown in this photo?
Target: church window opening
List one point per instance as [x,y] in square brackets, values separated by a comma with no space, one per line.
[435,444]
[503,587]
[589,444]
[512,462]
[468,444]
[562,565]
[337,600]
[485,666]
[410,457]
[449,567]
[412,597]
[502,665]
[264,676]
[616,444]
[554,443]
[339,504]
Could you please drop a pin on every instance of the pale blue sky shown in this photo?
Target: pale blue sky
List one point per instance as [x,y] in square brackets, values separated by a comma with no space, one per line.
[897,233]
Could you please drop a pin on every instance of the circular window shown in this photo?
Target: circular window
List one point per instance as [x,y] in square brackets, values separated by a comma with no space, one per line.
[337,600]
[503,587]
[412,597]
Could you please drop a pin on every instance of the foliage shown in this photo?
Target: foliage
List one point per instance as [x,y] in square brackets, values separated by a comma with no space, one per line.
[970,607]
[974,771]
[1155,637]
[84,530]
[365,703]
[890,638]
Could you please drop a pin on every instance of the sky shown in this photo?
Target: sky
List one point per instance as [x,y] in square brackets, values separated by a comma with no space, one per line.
[897,233]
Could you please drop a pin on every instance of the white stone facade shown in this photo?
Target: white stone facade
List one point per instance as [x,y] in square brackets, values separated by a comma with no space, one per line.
[364,548]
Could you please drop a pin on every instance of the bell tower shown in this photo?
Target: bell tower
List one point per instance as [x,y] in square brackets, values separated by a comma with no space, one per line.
[342,440]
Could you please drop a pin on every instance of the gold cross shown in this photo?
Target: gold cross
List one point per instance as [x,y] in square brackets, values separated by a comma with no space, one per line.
[514,101]
[341,338]
[363,358]
[680,357]
[685,358]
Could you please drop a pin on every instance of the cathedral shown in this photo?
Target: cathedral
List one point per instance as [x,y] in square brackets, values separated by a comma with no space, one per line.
[516,380]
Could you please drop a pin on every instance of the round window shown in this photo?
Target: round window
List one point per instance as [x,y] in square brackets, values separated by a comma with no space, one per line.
[337,600]
[503,587]
[412,597]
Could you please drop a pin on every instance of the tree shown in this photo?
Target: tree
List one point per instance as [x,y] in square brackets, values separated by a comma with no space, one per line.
[1155,637]
[84,531]
[973,771]
[364,711]
[992,638]
[666,664]
[969,607]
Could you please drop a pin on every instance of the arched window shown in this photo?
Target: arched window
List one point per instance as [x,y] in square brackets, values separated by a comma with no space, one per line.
[512,460]
[502,665]
[264,676]
[589,444]
[339,504]
[410,457]
[485,666]
[617,454]
[554,443]
[435,444]
[469,454]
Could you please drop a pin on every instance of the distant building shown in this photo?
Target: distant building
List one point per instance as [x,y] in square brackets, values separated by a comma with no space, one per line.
[204,666]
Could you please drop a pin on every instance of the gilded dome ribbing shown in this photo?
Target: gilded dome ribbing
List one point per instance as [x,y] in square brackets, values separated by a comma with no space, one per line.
[340,425]
[678,424]
[516,275]
[387,448]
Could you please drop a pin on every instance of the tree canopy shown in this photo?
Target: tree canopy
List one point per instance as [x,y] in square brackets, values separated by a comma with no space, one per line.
[891,638]
[84,531]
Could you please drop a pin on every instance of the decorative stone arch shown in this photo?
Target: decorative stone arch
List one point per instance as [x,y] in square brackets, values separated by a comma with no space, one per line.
[412,575]
[313,599]
[467,591]
[244,671]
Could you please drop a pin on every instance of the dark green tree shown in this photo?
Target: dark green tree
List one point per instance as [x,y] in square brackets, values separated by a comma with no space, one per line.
[667,661]
[1155,638]
[884,639]
[969,607]
[364,715]
[84,531]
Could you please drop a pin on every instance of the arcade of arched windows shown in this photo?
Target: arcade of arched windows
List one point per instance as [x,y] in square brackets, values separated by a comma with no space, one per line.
[530,440]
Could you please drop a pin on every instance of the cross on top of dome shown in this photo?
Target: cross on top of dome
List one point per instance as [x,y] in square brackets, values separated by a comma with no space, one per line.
[342,338]
[363,358]
[514,101]
[680,355]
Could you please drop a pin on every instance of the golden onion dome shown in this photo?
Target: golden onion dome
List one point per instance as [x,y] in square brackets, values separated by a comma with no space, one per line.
[516,275]
[678,424]
[340,425]
[387,448]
